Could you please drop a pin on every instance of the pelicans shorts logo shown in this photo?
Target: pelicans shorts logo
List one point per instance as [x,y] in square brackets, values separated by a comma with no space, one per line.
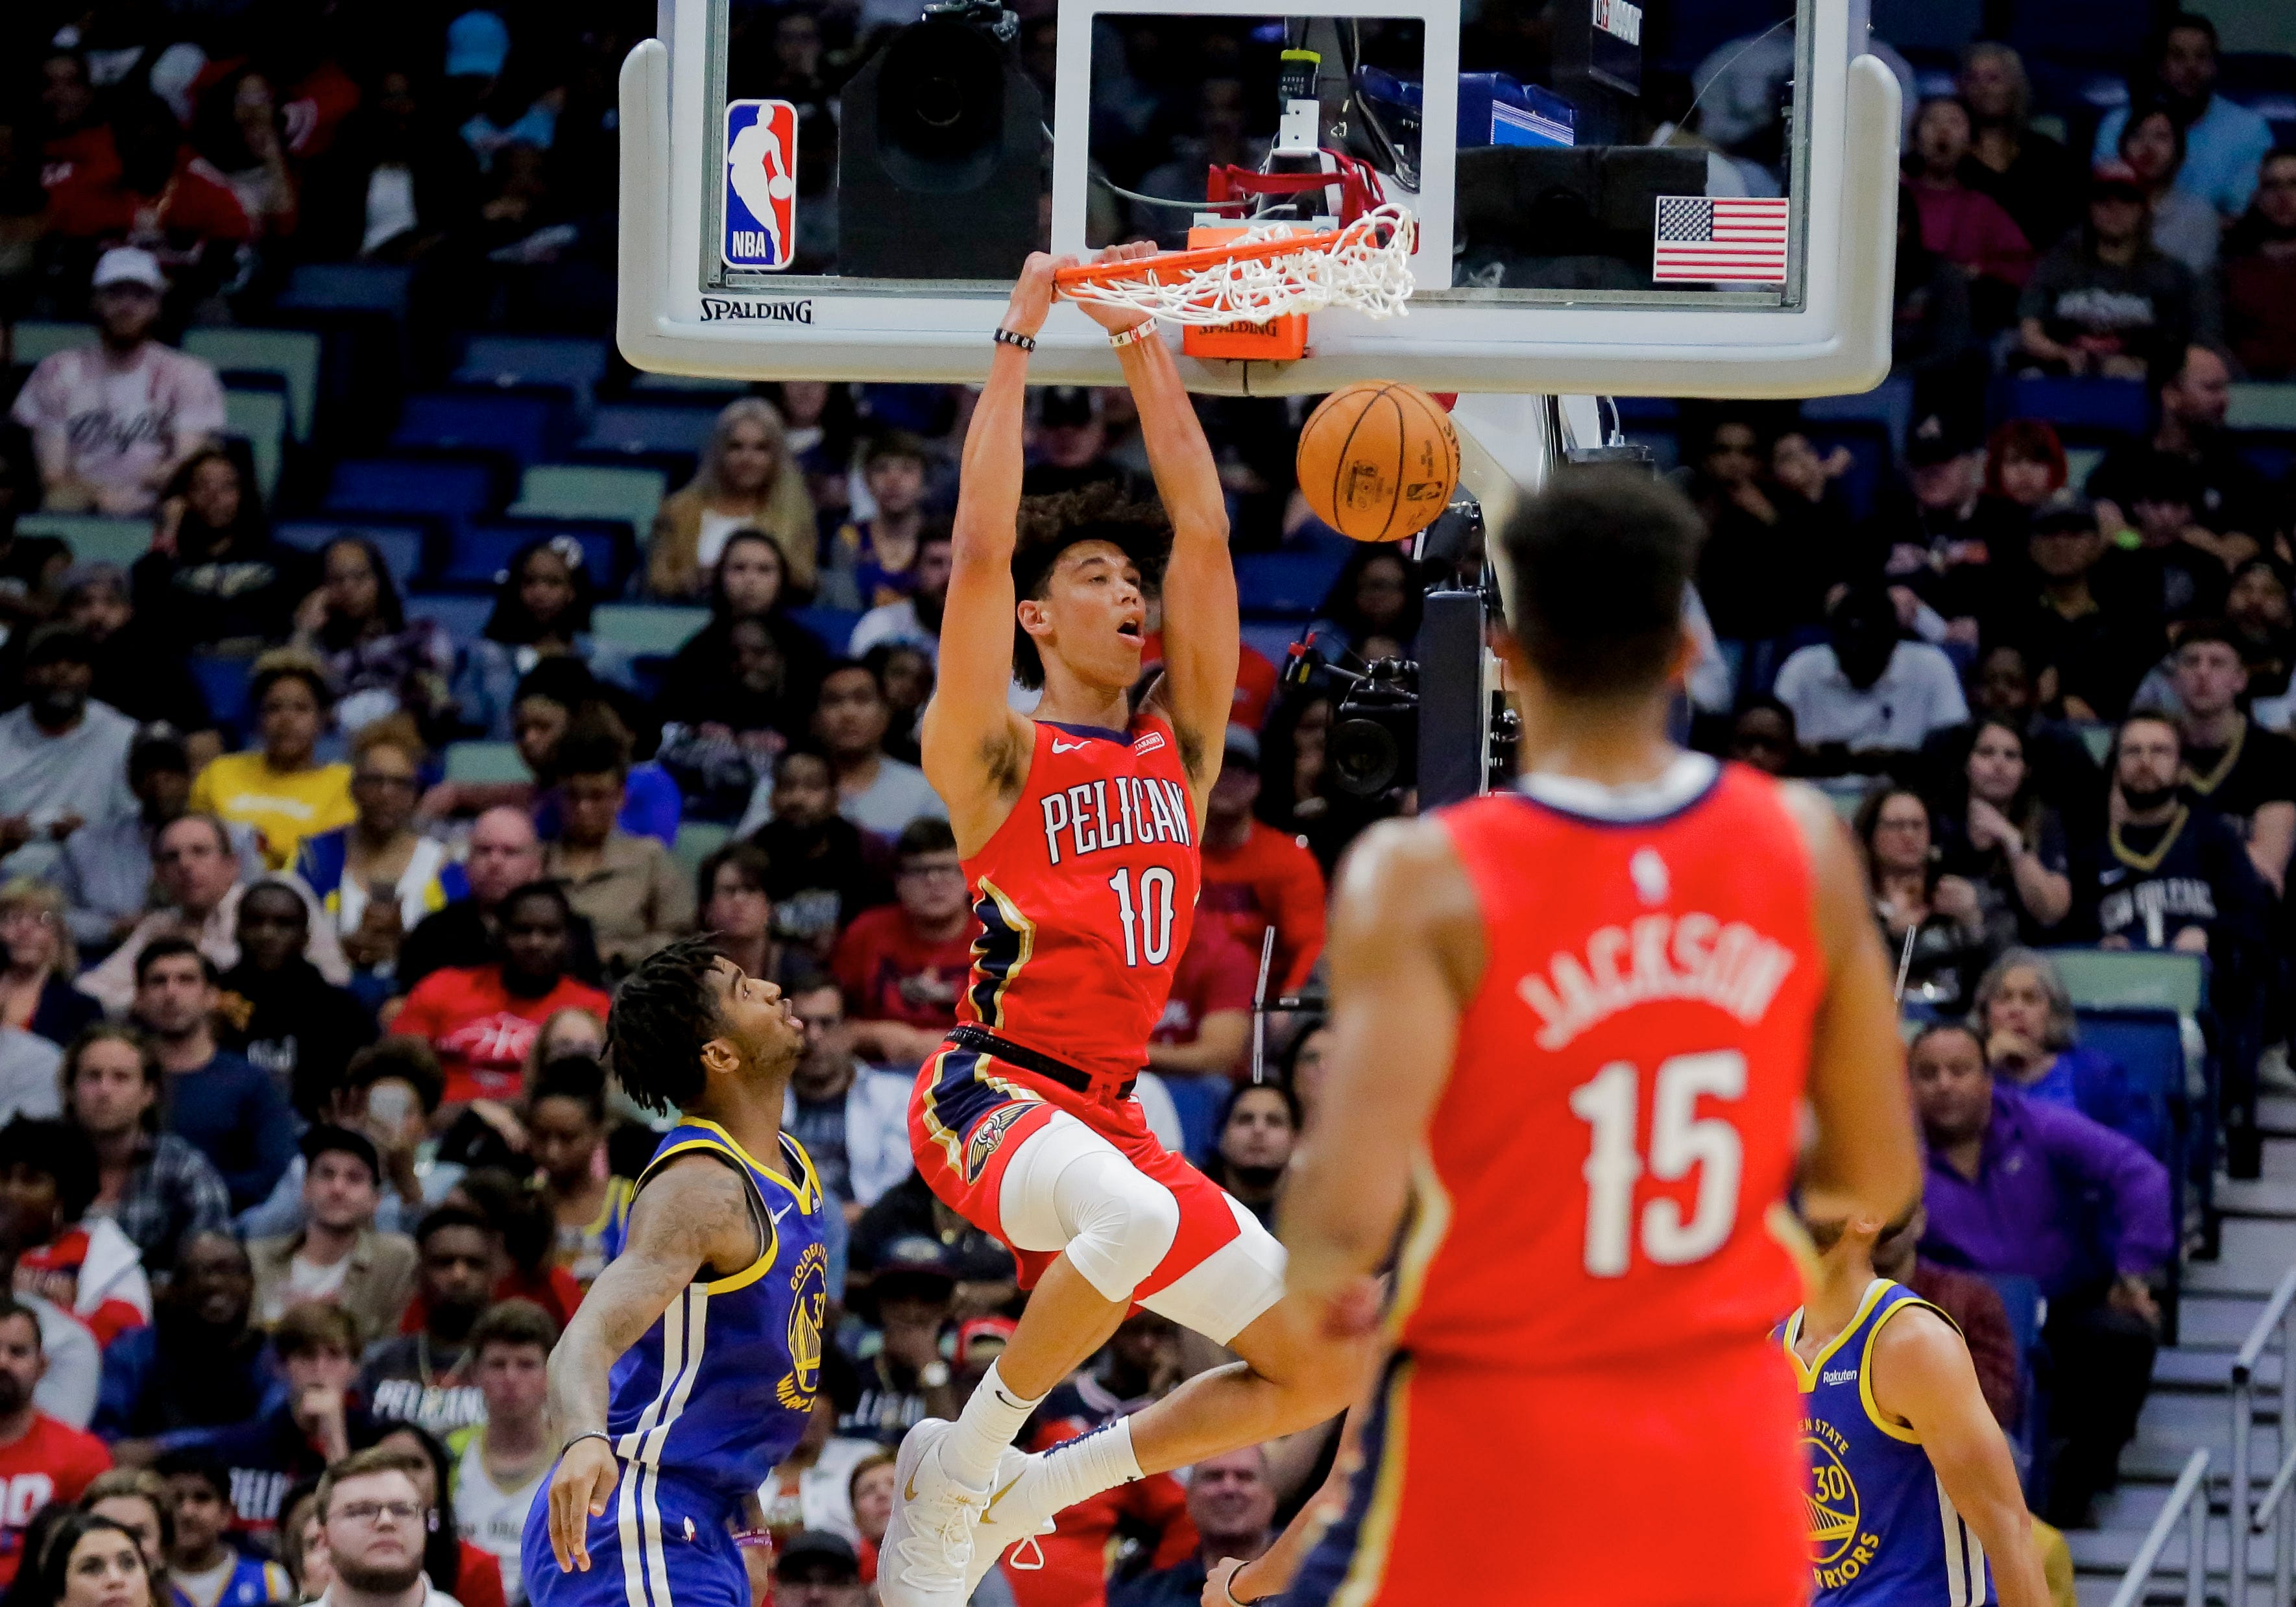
[988,1133]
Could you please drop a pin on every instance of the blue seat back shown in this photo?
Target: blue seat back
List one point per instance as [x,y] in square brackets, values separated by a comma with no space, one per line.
[2076,407]
[447,488]
[2021,1299]
[401,544]
[1290,584]
[2149,1045]
[526,422]
[833,626]
[630,427]
[480,553]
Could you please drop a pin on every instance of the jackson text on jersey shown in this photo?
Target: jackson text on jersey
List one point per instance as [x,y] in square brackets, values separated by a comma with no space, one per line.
[1692,956]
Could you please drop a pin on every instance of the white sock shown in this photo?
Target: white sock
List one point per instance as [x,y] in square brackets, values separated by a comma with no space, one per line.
[988,1424]
[1077,1470]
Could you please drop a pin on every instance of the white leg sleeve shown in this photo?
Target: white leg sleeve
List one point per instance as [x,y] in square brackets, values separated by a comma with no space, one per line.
[1068,1188]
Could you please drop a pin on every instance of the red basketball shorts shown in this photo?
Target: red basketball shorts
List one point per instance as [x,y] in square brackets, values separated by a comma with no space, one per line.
[1048,1169]
[1671,1483]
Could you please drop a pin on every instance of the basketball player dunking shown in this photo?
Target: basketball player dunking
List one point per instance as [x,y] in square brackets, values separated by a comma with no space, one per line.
[1588,1013]
[1079,830]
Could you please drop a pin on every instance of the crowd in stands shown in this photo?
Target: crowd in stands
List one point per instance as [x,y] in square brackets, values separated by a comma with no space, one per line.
[306,1152]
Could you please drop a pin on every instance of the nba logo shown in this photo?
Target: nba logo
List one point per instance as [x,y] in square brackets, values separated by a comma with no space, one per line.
[760,229]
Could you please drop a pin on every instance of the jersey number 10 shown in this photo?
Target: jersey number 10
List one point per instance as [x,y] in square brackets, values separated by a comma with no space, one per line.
[1148,930]
[1680,1141]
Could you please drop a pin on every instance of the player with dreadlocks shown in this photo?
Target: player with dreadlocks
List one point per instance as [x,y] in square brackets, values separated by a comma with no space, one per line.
[692,1367]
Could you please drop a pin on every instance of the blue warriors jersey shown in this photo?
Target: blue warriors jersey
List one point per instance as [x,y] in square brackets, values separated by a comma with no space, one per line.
[716,1393]
[252,1582]
[1882,1532]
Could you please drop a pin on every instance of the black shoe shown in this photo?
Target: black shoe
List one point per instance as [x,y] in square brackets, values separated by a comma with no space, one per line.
[2244,1155]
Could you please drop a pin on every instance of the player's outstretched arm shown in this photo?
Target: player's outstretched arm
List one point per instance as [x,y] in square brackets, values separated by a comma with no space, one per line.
[976,749]
[694,1215]
[1865,1162]
[1202,638]
[1405,951]
[1922,1377]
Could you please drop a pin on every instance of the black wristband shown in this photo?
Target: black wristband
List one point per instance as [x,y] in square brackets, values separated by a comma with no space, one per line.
[1013,337]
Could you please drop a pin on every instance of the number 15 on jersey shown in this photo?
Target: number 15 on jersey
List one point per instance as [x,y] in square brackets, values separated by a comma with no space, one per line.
[1681,1142]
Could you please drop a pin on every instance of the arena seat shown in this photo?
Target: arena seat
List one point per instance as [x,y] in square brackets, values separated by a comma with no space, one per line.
[485,762]
[1890,404]
[347,287]
[92,538]
[2108,33]
[2075,406]
[258,416]
[402,545]
[1288,583]
[462,615]
[697,840]
[36,339]
[292,353]
[590,491]
[2020,1299]
[511,360]
[647,627]
[833,626]
[628,427]
[481,552]
[2257,405]
[2106,978]
[526,422]
[446,487]
[224,684]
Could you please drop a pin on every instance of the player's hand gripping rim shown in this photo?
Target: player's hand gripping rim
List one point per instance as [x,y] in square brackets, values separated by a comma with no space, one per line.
[586,1475]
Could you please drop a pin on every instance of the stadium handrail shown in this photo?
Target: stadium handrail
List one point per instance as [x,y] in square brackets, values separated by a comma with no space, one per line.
[2189,1501]
[2248,1521]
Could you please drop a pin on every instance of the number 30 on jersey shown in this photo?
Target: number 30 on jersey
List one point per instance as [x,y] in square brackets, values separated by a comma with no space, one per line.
[1148,928]
[1681,1141]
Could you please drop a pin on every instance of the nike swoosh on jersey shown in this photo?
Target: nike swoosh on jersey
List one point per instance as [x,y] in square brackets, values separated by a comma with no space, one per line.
[778,1215]
[1060,747]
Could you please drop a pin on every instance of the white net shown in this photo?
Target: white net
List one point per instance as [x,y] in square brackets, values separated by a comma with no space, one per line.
[1366,268]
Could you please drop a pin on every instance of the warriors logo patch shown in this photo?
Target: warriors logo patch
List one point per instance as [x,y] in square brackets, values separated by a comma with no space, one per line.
[808,1285]
[1832,1502]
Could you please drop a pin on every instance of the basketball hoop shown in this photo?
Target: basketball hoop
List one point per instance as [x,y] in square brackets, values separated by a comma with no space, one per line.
[1263,273]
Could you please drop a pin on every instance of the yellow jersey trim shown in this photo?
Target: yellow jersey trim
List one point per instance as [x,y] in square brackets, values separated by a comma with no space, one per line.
[1367,1570]
[808,1190]
[1806,1373]
[1430,1225]
[1023,928]
[764,1263]
[1895,1430]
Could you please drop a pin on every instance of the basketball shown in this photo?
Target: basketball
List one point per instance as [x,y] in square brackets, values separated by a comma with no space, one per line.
[1378,460]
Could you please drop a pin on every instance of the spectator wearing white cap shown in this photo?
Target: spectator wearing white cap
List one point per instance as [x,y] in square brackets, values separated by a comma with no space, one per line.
[112,422]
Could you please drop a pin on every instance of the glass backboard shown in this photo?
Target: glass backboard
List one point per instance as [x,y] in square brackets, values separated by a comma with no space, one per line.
[1595,211]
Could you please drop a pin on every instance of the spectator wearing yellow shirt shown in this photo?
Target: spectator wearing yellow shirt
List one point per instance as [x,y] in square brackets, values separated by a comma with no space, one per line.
[281,789]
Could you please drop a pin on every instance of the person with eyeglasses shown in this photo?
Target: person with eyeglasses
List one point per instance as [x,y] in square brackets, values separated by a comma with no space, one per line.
[903,964]
[378,876]
[375,1522]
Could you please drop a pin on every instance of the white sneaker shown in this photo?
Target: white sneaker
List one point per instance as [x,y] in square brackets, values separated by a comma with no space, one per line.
[1002,1528]
[927,1552]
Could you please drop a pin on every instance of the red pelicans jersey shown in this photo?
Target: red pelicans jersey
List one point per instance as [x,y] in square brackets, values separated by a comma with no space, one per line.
[1085,896]
[1622,1112]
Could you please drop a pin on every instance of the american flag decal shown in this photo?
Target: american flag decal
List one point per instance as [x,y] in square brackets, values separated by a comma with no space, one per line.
[1719,240]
